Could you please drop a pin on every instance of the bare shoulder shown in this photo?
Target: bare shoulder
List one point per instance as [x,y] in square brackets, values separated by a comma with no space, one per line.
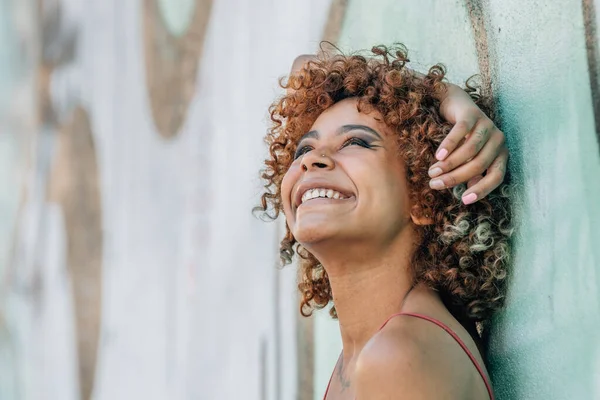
[410,359]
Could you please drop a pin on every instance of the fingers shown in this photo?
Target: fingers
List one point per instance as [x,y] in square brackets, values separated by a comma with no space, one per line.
[472,168]
[454,137]
[481,134]
[492,179]
[474,180]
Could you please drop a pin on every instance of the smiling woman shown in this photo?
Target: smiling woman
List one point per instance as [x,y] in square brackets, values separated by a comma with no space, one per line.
[351,147]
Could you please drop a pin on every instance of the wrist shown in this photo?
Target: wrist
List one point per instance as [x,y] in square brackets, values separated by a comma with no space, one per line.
[451,100]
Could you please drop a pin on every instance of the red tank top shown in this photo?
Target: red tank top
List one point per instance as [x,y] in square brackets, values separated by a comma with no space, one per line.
[454,335]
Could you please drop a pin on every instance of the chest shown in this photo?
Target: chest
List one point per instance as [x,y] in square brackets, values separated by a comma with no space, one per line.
[341,385]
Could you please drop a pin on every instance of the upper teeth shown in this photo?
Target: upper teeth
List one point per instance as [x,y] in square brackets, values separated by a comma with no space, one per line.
[320,192]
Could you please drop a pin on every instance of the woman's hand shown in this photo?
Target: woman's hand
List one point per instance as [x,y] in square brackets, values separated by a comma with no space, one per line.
[473,146]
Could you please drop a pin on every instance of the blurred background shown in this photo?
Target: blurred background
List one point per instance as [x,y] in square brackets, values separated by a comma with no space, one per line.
[131,266]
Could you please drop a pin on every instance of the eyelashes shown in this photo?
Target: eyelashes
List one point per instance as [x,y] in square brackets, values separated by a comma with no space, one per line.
[357,141]
[300,151]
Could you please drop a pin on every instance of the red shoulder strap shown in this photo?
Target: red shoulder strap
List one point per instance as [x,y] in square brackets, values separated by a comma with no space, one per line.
[456,338]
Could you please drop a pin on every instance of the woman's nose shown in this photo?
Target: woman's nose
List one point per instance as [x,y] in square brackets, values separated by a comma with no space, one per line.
[316,160]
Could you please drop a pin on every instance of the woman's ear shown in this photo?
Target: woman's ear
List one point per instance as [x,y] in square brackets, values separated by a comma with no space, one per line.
[421,216]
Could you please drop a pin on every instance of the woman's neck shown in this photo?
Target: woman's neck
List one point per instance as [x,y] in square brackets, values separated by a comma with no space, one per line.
[369,286]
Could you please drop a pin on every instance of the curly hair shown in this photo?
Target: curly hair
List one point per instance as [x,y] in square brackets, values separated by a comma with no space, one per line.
[464,254]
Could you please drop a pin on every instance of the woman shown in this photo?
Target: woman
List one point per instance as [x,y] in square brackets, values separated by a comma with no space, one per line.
[409,264]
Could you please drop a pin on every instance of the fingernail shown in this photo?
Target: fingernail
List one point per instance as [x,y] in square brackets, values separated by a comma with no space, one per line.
[433,172]
[436,184]
[441,154]
[470,198]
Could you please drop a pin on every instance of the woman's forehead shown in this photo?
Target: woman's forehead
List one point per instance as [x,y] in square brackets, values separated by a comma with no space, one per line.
[345,113]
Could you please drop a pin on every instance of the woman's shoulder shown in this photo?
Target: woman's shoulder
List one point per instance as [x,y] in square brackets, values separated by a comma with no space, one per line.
[397,360]
[407,347]
[412,355]
[431,326]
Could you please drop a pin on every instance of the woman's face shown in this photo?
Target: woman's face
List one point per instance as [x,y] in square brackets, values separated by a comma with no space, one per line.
[347,180]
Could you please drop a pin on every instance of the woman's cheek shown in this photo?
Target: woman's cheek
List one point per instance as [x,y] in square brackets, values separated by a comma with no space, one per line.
[287,184]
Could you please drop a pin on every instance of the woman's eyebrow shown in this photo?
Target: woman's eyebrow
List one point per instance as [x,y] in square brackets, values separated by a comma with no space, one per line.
[347,128]
[341,130]
[309,135]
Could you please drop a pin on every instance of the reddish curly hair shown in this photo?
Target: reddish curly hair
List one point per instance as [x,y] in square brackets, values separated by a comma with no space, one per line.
[464,254]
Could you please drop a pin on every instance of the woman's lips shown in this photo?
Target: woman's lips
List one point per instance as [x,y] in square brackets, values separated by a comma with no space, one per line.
[323,193]
[313,190]
[324,201]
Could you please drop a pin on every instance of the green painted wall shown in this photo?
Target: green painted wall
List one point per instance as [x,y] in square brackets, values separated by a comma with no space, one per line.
[546,343]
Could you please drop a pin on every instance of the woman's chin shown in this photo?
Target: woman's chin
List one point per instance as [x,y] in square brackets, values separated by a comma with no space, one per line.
[308,234]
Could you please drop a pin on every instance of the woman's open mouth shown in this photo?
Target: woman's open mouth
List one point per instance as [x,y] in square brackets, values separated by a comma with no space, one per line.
[323,196]
[321,193]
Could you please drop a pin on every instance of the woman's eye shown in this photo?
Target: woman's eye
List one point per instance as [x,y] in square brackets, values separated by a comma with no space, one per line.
[302,151]
[356,141]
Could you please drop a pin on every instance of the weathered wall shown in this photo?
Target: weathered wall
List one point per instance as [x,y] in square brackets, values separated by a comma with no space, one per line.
[131,266]
[130,137]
